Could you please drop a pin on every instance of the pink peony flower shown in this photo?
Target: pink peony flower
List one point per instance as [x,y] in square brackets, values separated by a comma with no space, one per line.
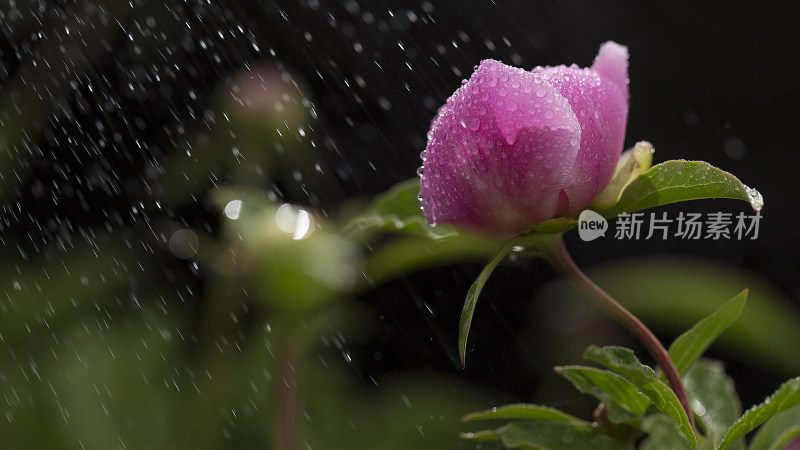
[512,148]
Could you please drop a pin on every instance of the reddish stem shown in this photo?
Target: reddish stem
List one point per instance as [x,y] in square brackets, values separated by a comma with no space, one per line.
[558,257]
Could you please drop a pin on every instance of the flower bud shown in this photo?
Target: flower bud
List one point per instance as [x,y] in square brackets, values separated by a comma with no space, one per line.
[513,148]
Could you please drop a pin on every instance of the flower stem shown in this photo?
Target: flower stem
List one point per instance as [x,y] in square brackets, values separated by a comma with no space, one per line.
[288,405]
[557,255]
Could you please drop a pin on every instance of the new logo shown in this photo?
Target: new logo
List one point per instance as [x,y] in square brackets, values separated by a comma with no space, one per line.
[591,225]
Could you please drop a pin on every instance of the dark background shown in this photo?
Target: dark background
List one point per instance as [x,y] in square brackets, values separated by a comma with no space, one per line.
[709,81]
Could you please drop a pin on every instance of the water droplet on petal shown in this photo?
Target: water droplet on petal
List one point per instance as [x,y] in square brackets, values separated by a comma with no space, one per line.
[541,92]
[511,105]
[475,124]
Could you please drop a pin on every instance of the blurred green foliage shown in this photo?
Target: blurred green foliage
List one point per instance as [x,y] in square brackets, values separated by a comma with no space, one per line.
[670,293]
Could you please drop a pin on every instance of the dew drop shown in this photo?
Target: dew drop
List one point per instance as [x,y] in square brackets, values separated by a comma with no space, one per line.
[755,198]
[541,92]
[511,106]
[475,124]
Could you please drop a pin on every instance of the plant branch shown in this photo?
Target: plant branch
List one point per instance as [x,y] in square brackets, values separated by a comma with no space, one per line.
[289,400]
[555,252]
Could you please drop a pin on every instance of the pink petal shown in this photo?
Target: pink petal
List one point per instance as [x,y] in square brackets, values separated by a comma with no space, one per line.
[612,64]
[512,148]
[499,152]
[600,101]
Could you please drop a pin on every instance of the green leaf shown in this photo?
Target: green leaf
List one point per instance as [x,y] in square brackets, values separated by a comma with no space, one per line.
[407,254]
[549,435]
[419,246]
[606,386]
[662,433]
[624,362]
[472,298]
[398,209]
[778,431]
[522,411]
[714,399]
[619,415]
[787,396]
[679,181]
[483,435]
[694,342]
